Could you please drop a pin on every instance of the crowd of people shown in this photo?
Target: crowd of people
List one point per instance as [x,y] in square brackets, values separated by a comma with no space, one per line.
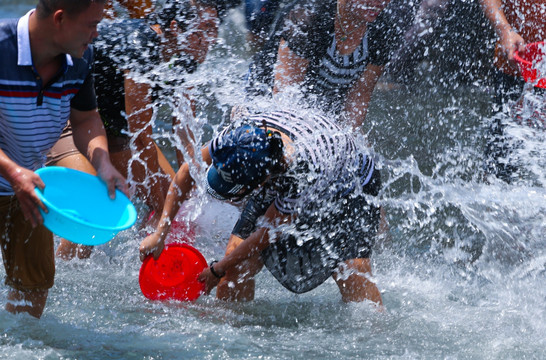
[77,90]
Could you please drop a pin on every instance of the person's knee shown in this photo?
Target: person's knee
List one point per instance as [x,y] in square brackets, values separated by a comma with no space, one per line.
[66,250]
[354,281]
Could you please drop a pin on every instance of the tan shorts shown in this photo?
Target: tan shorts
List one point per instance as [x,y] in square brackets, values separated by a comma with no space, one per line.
[63,147]
[28,253]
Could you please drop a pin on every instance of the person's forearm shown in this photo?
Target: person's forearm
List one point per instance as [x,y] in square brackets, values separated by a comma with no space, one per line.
[7,166]
[255,243]
[178,192]
[359,96]
[493,12]
[289,69]
[90,138]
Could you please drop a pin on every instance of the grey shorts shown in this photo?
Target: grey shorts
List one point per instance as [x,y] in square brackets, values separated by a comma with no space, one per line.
[324,240]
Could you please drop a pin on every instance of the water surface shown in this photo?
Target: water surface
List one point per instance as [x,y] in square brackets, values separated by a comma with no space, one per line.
[462,275]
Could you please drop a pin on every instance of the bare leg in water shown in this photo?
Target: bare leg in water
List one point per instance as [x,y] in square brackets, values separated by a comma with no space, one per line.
[31,302]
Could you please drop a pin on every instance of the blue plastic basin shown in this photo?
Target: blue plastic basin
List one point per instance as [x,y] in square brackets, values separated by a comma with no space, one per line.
[79,208]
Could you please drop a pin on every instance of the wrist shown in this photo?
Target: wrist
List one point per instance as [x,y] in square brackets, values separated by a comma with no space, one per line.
[163,228]
[8,168]
[215,271]
[156,239]
[504,30]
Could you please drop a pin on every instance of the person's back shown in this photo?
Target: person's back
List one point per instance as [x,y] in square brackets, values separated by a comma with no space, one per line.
[329,162]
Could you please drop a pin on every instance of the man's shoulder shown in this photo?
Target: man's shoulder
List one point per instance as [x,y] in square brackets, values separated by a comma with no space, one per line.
[128,43]
[8,29]
[123,34]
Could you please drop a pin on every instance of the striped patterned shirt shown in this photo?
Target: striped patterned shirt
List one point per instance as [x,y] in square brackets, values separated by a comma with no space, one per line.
[337,73]
[327,162]
[309,30]
[32,114]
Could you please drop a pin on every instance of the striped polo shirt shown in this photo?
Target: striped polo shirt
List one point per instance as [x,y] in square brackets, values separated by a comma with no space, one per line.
[327,162]
[33,114]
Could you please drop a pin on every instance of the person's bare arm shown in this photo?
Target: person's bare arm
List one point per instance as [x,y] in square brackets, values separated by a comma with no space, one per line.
[493,12]
[146,170]
[359,96]
[290,68]
[252,246]
[179,191]
[23,181]
[90,139]
[509,40]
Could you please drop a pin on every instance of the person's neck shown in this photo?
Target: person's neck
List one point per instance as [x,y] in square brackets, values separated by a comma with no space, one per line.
[46,56]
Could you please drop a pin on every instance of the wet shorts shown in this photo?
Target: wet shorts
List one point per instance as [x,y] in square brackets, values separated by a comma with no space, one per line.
[28,253]
[324,240]
[65,146]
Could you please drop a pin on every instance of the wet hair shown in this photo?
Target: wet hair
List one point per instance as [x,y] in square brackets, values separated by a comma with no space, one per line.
[181,11]
[44,8]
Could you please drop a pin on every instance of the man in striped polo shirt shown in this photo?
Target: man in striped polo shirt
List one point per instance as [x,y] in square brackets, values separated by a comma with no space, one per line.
[45,79]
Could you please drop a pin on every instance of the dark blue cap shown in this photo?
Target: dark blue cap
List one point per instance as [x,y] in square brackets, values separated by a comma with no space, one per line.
[240,158]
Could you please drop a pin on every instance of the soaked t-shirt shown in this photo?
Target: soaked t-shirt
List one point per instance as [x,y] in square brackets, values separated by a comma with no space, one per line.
[308,28]
[128,44]
[310,33]
[326,184]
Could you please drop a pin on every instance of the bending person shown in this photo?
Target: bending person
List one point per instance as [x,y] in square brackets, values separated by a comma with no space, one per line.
[308,214]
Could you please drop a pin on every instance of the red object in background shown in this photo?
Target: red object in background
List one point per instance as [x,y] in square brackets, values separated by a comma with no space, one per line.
[174,274]
[527,61]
